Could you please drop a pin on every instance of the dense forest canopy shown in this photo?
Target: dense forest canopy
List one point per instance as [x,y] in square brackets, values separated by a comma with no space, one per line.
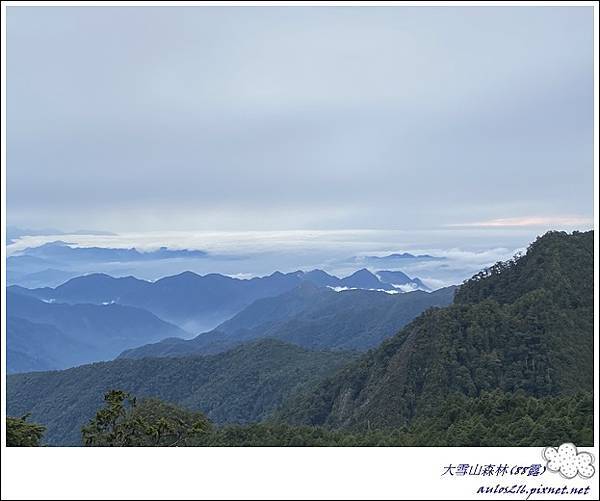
[525,326]
[492,419]
[243,385]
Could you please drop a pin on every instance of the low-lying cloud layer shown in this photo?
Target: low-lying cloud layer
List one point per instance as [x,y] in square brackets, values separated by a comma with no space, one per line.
[461,253]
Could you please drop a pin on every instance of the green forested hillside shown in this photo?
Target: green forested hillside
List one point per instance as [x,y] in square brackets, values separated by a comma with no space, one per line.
[242,385]
[492,419]
[557,262]
[532,331]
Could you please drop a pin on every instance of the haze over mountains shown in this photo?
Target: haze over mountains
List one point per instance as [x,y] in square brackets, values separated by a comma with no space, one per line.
[96,317]
[312,317]
[53,263]
[403,258]
[252,254]
[199,303]
[61,252]
[43,335]
[311,221]
[522,330]
[13,233]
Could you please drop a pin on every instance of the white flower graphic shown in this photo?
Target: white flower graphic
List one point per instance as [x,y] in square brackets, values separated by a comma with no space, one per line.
[568,462]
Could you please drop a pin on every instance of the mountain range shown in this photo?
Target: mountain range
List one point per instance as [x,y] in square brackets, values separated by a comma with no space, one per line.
[199,303]
[13,233]
[46,277]
[59,251]
[515,345]
[53,263]
[48,335]
[309,316]
[398,259]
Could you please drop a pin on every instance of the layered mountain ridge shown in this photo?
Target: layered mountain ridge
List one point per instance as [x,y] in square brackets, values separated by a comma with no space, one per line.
[309,316]
[197,303]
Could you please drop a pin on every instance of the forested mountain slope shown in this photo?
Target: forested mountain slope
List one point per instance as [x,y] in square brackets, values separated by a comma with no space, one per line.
[238,386]
[523,325]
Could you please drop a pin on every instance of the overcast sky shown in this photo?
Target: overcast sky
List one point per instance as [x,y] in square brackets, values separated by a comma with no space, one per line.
[148,119]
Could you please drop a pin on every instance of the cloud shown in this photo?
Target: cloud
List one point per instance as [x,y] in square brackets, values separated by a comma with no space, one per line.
[548,222]
[334,251]
[271,118]
[343,289]
[457,264]
[406,287]
[433,283]
[568,462]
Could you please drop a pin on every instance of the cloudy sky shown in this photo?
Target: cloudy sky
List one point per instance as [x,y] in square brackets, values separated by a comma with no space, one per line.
[153,119]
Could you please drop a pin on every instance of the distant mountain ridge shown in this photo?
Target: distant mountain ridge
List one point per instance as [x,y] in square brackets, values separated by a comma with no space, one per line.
[195,302]
[48,277]
[53,263]
[406,255]
[43,335]
[63,251]
[309,316]
[399,258]
[36,346]
[13,233]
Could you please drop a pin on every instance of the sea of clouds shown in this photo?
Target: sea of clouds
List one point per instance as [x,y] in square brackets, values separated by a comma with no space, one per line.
[245,254]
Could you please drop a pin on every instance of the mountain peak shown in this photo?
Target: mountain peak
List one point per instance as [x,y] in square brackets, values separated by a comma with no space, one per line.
[363,272]
[321,278]
[363,279]
[88,277]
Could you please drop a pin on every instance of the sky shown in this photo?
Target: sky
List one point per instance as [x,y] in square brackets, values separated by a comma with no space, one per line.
[448,120]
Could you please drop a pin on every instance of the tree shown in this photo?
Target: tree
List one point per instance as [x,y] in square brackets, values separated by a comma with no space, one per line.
[123,422]
[20,433]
